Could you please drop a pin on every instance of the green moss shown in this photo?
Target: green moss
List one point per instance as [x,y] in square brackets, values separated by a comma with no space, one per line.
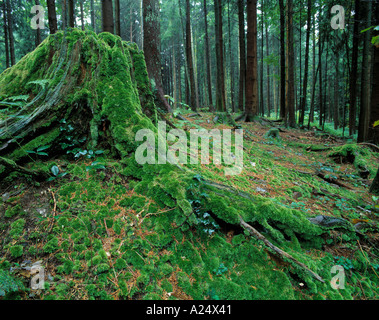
[16,251]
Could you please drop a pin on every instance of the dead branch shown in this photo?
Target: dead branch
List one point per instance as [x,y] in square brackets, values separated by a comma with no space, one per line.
[277,250]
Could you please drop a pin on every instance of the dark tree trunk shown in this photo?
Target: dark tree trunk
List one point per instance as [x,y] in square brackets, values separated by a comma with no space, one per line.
[231,63]
[252,62]
[242,48]
[364,115]
[107,16]
[82,14]
[290,76]
[6,37]
[52,16]
[93,21]
[10,33]
[303,100]
[151,45]
[71,13]
[208,56]
[282,60]
[220,94]
[354,69]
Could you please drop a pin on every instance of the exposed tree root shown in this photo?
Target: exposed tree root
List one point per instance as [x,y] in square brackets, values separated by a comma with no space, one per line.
[277,250]
[10,165]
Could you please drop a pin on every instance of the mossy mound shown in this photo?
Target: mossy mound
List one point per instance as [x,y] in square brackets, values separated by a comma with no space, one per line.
[115,229]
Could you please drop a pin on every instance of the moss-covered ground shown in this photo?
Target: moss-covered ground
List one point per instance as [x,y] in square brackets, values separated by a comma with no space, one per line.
[103,234]
[105,227]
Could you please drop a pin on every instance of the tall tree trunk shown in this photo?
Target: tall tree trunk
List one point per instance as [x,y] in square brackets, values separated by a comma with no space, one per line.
[220,95]
[71,13]
[354,70]
[364,115]
[252,62]
[336,94]
[268,75]
[10,33]
[242,51]
[107,16]
[117,17]
[231,63]
[373,133]
[290,76]
[189,55]
[303,101]
[207,55]
[93,21]
[261,100]
[81,14]
[151,45]
[375,185]
[6,37]
[282,60]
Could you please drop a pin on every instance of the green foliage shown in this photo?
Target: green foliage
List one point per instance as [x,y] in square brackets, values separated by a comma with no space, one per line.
[9,284]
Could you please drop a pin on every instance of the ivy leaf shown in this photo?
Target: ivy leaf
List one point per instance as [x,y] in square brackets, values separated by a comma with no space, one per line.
[376,123]
[55,170]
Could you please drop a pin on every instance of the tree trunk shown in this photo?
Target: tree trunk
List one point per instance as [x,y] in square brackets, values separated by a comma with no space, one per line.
[207,56]
[282,61]
[364,115]
[151,45]
[71,13]
[189,55]
[290,76]
[52,16]
[220,94]
[118,18]
[252,62]
[373,133]
[123,103]
[10,33]
[107,16]
[242,51]
[6,37]
[268,76]
[354,70]
[231,63]
[303,101]
[93,21]
[82,14]
[336,95]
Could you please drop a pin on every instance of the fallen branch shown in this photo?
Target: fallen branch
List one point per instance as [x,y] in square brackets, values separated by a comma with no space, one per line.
[369,145]
[277,250]
[13,166]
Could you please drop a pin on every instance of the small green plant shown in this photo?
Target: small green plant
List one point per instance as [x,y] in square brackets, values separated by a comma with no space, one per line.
[96,165]
[39,151]
[17,251]
[56,173]
[221,270]
[344,262]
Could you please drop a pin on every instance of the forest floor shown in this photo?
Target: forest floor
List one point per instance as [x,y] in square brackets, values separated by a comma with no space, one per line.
[99,238]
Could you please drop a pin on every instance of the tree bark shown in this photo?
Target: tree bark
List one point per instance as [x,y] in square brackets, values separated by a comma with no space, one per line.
[193,102]
[6,37]
[207,55]
[10,33]
[220,81]
[242,51]
[231,62]
[252,62]
[107,16]
[364,115]
[151,45]
[290,76]
[303,101]
[282,60]
[38,31]
[52,16]
[354,70]
[93,21]
[71,13]
[82,14]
